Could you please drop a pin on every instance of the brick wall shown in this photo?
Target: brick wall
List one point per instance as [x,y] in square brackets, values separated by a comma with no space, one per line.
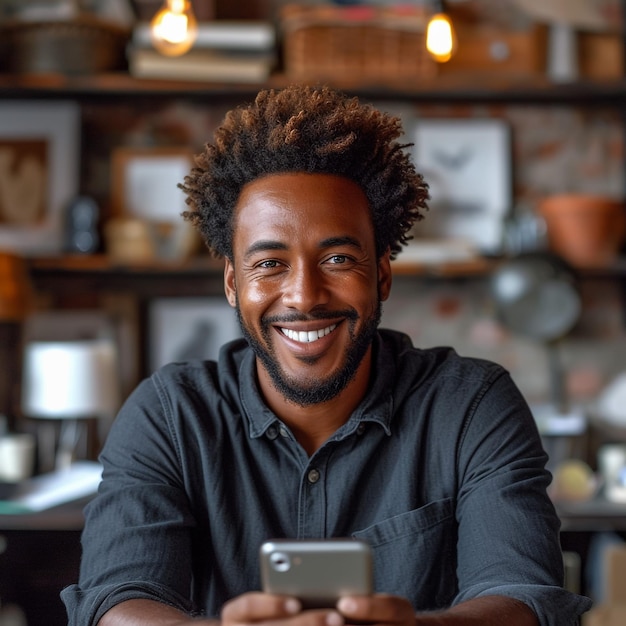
[555,149]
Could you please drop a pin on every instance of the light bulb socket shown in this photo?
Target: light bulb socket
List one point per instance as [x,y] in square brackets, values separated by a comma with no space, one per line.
[437,6]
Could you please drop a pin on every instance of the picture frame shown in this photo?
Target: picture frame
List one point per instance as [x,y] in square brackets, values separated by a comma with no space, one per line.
[39,173]
[181,329]
[144,187]
[144,182]
[467,165]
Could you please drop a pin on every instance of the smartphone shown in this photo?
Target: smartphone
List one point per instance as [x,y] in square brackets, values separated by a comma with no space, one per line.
[316,571]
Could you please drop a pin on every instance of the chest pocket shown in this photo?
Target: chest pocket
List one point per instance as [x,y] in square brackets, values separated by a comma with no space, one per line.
[415,555]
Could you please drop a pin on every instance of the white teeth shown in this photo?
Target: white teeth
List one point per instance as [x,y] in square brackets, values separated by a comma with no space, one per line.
[308,337]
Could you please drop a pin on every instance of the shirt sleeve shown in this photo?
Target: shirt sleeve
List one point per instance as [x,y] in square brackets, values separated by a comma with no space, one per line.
[504,514]
[137,536]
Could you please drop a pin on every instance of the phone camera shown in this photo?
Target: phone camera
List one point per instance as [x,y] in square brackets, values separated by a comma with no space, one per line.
[280,561]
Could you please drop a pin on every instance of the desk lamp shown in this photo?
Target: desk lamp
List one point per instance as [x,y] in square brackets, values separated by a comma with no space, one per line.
[72,382]
[536,296]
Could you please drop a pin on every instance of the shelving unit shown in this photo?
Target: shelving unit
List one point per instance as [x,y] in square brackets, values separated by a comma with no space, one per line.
[65,276]
[464,89]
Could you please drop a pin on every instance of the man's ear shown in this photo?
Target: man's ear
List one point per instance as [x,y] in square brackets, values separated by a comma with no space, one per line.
[229,282]
[384,275]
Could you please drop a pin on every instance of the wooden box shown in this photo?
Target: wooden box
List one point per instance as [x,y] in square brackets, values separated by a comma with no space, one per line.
[484,49]
[326,42]
[600,56]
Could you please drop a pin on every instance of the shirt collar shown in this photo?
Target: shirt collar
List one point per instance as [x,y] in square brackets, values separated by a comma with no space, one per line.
[376,406]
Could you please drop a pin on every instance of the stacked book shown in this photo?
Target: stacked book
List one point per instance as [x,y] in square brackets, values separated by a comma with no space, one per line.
[224,51]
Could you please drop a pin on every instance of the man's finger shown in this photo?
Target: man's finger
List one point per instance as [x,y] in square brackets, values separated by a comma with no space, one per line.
[378,608]
[256,606]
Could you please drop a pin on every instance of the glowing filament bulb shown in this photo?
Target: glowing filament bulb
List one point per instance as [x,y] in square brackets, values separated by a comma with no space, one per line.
[440,38]
[174,28]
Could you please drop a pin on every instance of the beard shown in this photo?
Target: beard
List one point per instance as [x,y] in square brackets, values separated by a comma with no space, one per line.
[312,391]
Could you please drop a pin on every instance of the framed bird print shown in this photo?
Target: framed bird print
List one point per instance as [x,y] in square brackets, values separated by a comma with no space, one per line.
[182,329]
[467,165]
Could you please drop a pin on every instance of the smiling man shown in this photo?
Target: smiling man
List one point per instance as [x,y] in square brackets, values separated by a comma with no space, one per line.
[308,294]
[318,423]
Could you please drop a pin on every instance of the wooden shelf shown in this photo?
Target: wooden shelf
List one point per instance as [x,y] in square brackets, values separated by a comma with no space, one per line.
[72,274]
[451,89]
[65,517]
[101,264]
[591,516]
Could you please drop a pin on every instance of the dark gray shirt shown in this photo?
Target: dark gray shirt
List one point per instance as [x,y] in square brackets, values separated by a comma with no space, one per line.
[440,469]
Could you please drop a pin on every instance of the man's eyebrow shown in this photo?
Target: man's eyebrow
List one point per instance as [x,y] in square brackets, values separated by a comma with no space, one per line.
[264,245]
[346,240]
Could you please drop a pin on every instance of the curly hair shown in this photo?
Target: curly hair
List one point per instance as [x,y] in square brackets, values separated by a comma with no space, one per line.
[310,130]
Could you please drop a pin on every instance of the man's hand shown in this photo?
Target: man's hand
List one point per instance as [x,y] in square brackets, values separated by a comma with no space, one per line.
[257,607]
[374,610]
[382,609]
[377,609]
[271,609]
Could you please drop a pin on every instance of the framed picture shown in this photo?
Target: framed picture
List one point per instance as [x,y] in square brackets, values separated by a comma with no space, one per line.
[144,182]
[181,329]
[144,186]
[467,165]
[39,156]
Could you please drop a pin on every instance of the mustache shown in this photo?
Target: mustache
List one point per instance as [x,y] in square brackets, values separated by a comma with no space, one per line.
[350,314]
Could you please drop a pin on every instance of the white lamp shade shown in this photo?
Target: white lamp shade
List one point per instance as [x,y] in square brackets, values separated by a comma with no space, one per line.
[70,379]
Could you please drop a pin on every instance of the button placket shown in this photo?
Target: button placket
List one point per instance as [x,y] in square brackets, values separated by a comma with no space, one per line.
[312,501]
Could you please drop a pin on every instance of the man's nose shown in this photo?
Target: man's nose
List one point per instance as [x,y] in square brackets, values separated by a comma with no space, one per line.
[305,288]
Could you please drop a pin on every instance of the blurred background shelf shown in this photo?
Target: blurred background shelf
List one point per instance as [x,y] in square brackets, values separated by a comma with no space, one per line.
[461,89]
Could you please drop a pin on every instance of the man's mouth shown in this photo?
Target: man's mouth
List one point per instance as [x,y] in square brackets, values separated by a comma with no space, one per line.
[304,336]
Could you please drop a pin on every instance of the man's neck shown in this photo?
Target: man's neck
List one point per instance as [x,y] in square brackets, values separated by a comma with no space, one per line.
[313,424]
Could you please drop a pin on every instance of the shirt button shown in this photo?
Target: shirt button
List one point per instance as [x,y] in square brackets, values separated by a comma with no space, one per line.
[284,432]
[360,429]
[313,476]
[272,432]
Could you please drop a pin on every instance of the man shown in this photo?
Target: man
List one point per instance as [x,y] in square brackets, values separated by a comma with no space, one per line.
[318,424]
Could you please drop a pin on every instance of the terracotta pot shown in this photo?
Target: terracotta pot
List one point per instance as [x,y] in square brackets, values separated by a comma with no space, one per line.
[586,230]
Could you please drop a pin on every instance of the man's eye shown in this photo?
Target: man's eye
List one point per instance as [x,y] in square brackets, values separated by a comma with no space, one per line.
[268,264]
[338,259]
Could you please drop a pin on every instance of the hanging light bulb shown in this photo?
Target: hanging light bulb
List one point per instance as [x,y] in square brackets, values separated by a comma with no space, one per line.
[174,28]
[440,36]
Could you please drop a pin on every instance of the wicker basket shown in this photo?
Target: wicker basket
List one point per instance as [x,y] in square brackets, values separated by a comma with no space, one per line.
[383,44]
[84,45]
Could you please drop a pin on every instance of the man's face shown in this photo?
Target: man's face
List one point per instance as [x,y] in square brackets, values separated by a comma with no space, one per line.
[306,281]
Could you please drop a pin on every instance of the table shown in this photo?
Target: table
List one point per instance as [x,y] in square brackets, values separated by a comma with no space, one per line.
[595,515]
[40,552]
[39,555]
